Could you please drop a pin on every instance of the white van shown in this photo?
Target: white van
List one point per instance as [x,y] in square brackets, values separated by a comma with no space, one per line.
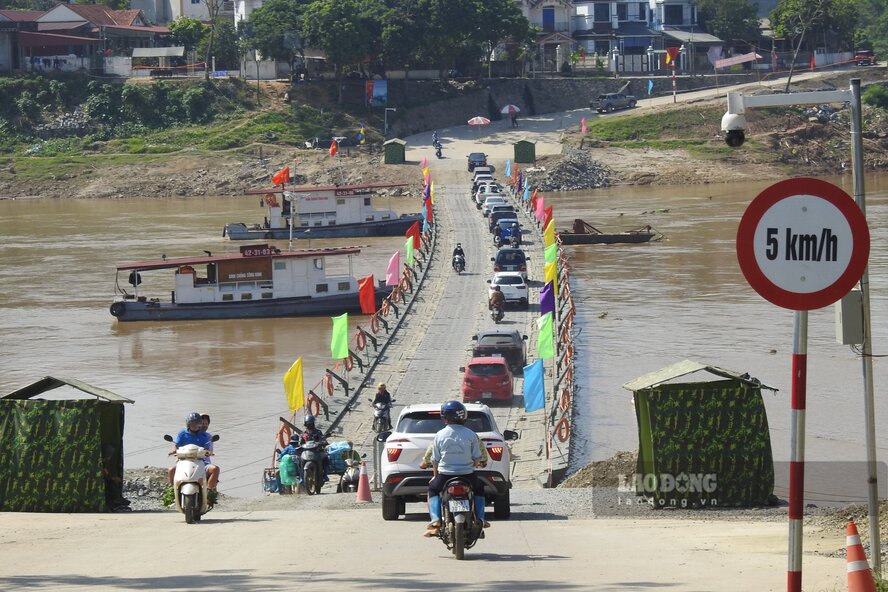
[479,171]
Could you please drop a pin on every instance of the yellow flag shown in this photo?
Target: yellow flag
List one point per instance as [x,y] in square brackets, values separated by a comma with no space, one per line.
[668,58]
[294,386]
[425,172]
[549,234]
[551,271]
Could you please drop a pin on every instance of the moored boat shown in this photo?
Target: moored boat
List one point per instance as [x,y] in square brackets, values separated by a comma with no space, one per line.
[584,233]
[259,281]
[334,211]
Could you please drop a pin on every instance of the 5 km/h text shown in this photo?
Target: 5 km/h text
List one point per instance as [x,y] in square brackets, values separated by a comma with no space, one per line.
[803,247]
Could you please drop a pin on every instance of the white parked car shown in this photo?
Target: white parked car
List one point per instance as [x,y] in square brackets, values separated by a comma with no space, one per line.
[486,190]
[490,202]
[402,479]
[513,286]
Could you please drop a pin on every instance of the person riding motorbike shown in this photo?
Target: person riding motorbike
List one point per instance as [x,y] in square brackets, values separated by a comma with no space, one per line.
[384,397]
[456,451]
[497,298]
[516,232]
[194,433]
[458,250]
[312,434]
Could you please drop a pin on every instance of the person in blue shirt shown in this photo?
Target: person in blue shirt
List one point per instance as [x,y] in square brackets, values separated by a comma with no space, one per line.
[456,451]
[194,433]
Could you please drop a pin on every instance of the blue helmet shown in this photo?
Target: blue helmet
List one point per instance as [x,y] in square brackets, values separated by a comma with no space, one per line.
[454,412]
[309,420]
[193,416]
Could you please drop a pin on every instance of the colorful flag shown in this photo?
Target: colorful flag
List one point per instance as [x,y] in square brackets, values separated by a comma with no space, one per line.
[549,234]
[425,171]
[550,271]
[393,272]
[547,298]
[547,216]
[429,216]
[432,191]
[425,223]
[540,210]
[339,338]
[526,192]
[361,135]
[424,164]
[509,167]
[408,250]
[427,178]
[812,62]
[426,192]
[650,87]
[520,185]
[534,387]
[367,295]
[282,177]
[294,385]
[414,232]
[545,339]
[551,253]
[334,148]
[583,126]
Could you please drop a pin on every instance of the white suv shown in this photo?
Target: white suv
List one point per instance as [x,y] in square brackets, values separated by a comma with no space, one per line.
[512,285]
[402,479]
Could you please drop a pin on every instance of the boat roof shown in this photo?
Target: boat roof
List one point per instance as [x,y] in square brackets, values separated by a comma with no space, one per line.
[318,189]
[172,262]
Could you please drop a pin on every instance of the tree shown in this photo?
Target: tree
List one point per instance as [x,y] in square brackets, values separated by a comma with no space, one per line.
[498,21]
[874,26]
[402,37]
[273,23]
[227,51]
[449,31]
[347,31]
[729,19]
[213,9]
[187,32]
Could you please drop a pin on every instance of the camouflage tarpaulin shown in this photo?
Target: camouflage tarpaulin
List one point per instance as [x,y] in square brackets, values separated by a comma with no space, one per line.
[704,443]
[50,456]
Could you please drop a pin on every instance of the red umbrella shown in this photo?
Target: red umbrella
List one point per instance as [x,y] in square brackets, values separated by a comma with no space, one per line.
[478,120]
[509,109]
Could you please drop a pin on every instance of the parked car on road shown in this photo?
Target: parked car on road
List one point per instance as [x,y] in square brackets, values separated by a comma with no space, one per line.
[485,190]
[486,379]
[477,159]
[612,101]
[491,201]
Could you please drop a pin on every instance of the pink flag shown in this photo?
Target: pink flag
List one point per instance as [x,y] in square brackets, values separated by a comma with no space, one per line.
[424,163]
[428,178]
[540,212]
[583,126]
[393,273]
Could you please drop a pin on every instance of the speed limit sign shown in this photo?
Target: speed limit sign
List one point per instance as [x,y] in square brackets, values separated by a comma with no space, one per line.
[803,244]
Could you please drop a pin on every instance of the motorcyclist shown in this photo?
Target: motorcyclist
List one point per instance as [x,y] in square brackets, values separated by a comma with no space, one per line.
[456,451]
[435,138]
[497,299]
[384,397]
[516,231]
[458,250]
[311,433]
[194,433]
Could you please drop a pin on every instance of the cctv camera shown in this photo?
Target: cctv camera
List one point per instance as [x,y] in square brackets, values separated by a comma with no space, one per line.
[734,126]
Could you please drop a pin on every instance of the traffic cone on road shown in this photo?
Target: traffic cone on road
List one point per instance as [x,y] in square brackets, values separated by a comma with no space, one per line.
[860,576]
[363,485]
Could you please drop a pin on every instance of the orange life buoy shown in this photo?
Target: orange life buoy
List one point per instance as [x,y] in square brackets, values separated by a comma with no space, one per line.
[328,383]
[386,306]
[562,430]
[397,296]
[570,352]
[349,364]
[404,285]
[569,374]
[313,405]
[284,435]
[361,338]
[374,323]
[564,402]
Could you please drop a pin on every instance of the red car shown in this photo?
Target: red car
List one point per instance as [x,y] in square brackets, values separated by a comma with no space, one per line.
[487,379]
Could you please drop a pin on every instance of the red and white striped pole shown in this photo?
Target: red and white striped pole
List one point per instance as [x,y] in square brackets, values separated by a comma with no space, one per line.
[674,100]
[797,454]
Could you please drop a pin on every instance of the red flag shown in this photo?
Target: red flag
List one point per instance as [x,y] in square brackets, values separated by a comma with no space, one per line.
[282,177]
[533,199]
[428,205]
[812,62]
[414,232]
[547,217]
[334,148]
[367,294]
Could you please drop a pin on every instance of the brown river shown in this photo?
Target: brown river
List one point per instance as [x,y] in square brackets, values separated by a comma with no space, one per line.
[641,307]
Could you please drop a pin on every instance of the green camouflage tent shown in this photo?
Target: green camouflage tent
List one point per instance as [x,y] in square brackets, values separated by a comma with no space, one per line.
[61,455]
[702,443]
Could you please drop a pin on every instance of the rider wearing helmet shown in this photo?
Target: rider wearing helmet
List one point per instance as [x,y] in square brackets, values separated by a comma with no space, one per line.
[194,433]
[311,433]
[456,451]
[458,250]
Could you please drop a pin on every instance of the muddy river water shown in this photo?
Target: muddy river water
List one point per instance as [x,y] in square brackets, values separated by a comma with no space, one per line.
[641,307]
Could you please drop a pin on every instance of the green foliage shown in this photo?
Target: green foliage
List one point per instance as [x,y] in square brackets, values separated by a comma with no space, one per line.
[271,22]
[817,21]
[729,19]
[225,47]
[169,496]
[876,95]
[660,125]
[188,32]
[874,27]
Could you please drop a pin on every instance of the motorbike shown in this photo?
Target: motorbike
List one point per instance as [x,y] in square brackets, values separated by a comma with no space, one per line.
[190,480]
[514,241]
[438,149]
[348,482]
[382,416]
[311,457]
[498,240]
[459,528]
[496,313]
[459,264]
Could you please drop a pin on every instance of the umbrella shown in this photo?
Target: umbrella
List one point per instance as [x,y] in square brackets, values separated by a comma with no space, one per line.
[478,120]
[509,109]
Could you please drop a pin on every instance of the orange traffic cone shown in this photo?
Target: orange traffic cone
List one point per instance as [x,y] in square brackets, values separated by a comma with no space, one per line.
[860,576]
[363,485]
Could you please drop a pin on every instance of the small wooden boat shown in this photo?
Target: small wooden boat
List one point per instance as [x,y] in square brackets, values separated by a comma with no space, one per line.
[584,233]
[259,281]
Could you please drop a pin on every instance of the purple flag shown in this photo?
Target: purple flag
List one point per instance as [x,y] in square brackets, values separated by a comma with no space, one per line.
[547,299]
[426,192]
[520,181]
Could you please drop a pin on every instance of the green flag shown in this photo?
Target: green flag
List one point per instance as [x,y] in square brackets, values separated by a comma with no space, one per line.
[339,339]
[551,253]
[408,247]
[545,340]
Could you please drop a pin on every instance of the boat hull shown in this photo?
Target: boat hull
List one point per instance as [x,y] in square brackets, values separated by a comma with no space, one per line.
[240,231]
[568,238]
[282,307]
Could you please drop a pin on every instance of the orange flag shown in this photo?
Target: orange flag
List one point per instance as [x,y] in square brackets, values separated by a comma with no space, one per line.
[367,295]
[282,177]
[334,148]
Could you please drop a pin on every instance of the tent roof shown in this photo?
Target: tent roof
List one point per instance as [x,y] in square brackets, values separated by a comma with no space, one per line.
[158,52]
[683,368]
[49,383]
[692,36]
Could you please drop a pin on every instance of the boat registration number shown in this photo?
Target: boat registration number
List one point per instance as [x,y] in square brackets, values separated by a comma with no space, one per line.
[459,505]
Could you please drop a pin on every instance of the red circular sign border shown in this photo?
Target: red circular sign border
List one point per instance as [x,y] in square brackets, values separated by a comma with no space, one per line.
[791,188]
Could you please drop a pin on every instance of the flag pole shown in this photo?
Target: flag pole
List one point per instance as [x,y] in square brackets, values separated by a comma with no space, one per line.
[292,213]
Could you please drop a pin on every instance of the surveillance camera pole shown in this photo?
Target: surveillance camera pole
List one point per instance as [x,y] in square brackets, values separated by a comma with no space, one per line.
[737,104]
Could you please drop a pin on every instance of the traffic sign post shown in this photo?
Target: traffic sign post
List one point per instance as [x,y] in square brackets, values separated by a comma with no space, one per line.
[802,244]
